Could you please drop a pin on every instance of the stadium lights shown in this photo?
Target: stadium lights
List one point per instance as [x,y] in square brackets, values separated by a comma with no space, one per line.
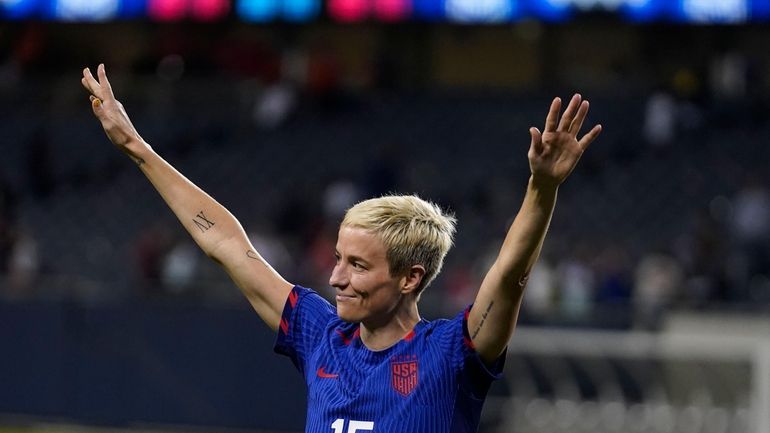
[457,11]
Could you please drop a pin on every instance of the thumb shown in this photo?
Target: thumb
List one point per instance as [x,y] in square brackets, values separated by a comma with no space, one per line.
[537,140]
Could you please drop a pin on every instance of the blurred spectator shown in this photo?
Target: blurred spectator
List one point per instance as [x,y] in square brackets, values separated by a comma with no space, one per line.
[613,274]
[576,282]
[383,172]
[614,284]
[324,77]
[339,196]
[658,278]
[23,266]
[30,48]
[39,168]
[540,296]
[751,227]
[660,119]
[243,54]
[459,289]
[272,249]
[179,267]
[703,252]
[319,259]
[7,225]
[7,241]
[274,105]
[728,76]
[150,249]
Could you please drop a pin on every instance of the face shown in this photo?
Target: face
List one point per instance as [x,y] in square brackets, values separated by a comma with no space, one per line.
[366,292]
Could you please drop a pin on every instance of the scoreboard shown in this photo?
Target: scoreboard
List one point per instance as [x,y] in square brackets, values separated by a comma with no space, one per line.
[346,11]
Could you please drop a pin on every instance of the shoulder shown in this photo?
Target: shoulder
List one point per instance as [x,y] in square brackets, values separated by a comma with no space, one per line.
[447,332]
[444,325]
[305,309]
[309,298]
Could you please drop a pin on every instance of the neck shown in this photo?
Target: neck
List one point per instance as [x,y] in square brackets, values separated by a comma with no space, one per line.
[392,330]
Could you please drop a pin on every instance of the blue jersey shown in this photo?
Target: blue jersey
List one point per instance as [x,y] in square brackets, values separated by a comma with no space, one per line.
[431,381]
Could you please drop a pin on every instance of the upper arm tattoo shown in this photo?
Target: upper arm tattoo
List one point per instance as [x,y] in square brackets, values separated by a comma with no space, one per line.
[483,319]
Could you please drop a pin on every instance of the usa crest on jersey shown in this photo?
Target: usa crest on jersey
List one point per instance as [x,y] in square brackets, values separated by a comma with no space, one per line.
[404,374]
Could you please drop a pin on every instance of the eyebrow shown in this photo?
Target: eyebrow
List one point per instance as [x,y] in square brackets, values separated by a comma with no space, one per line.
[355,258]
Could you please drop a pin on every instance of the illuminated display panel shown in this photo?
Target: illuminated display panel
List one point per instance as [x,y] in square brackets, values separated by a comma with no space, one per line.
[258,10]
[199,10]
[457,11]
[301,10]
[268,10]
[167,10]
[19,9]
[86,10]
[348,10]
[479,11]
[714,11]
[392,10]
[428,10]
[209,10]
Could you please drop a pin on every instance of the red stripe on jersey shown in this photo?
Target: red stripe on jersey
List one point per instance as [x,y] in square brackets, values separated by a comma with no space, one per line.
[345,340]
[468,342]
[293,296]
[409,336]
[466,335]
[284,326]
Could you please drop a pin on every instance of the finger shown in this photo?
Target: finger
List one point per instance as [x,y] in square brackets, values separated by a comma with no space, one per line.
[569,113]
[576,124]
[90,82]
[553,115]
[590,137]
[537,140]
[105,83]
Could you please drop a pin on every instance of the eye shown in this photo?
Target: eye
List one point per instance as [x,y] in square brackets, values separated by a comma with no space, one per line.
[359,266]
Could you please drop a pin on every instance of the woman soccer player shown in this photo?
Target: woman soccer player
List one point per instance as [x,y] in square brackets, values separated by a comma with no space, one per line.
[371,363]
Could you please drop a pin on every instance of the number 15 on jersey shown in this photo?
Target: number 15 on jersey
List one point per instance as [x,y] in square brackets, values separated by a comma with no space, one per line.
[353,426]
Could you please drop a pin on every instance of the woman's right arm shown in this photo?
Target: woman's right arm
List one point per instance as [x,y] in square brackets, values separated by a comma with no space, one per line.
[212,226]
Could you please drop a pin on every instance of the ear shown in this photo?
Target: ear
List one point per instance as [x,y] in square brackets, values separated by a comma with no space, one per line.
[411,281]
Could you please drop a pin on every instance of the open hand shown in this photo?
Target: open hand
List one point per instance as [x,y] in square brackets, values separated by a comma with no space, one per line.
[110,112]
[554,153]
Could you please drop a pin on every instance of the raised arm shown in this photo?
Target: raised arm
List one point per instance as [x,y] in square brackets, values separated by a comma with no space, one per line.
[552,156]
[212,227]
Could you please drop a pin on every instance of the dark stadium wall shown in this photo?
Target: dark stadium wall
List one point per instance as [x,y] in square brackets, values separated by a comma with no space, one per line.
[145,364]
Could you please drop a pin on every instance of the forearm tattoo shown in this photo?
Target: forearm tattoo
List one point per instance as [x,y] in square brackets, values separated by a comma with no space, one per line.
[483,319]
[254,256]
[203,223]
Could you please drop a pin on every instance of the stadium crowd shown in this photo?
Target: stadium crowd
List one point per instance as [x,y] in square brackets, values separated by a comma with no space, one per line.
[670,210]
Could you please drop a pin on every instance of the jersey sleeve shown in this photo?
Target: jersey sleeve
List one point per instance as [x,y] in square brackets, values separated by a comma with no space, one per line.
[475,376]
[303,321]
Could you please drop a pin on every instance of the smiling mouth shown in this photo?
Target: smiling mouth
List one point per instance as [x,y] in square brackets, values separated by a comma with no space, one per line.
[344,298]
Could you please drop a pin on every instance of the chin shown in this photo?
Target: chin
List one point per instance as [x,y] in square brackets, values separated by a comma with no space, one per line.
[347,314]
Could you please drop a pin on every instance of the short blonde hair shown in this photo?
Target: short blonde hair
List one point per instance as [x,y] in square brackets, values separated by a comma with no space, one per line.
[414,231]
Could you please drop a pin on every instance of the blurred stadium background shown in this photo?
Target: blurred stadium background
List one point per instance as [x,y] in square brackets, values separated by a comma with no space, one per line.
[648,311]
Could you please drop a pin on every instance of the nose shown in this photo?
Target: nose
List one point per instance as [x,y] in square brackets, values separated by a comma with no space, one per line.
[339,278]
